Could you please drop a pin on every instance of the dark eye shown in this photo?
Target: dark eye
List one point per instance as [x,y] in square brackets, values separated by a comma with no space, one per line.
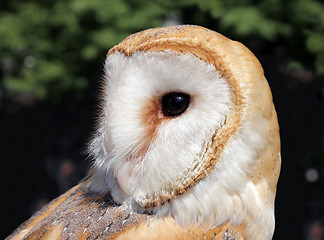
[175,103]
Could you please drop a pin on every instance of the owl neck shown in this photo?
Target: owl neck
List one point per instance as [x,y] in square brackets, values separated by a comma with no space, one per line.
[216,209]
[237,192]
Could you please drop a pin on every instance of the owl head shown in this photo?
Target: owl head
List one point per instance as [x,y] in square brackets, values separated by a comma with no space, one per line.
[187,128]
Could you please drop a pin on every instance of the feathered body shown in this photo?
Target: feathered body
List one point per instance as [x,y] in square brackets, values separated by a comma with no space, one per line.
[209,172]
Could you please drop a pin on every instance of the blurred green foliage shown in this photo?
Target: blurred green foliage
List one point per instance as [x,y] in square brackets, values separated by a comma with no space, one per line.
[49,49]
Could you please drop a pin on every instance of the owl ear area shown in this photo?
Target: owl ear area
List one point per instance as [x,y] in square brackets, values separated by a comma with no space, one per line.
[174,104]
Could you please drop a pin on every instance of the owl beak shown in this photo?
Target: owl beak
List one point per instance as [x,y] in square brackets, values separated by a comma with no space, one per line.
[123,175]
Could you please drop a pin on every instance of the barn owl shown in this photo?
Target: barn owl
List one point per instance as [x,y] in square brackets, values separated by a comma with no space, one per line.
[187,146]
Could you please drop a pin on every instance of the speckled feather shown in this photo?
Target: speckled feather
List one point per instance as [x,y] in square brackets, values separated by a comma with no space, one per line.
[77,215]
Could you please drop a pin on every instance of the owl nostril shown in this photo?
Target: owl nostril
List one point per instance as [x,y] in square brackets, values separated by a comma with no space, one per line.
[175,103]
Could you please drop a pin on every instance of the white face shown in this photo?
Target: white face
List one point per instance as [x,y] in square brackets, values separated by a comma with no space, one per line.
[148,151]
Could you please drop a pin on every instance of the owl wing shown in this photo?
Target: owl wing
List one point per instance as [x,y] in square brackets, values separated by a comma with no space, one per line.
[78,215]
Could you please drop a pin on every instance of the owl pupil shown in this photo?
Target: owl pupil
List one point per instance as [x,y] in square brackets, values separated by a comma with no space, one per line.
[175,103]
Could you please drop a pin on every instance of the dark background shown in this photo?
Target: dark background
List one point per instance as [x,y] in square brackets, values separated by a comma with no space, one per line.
[43,136]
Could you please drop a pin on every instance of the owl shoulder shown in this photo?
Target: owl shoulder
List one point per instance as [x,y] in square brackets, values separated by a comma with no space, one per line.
[78,215]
